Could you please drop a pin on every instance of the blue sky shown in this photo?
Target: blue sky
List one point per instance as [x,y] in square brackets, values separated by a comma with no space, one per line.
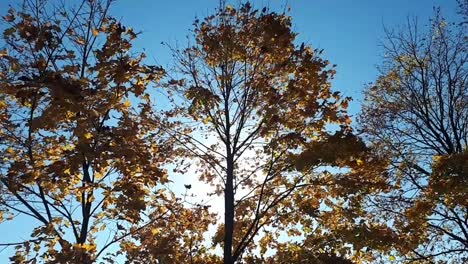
[349,31]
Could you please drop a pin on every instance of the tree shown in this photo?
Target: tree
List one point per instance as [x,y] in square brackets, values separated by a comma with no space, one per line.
[267,107]
[416,114]
[180,238]
[77,157]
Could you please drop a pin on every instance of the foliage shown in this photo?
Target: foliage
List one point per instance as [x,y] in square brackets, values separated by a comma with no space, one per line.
[266,107]
[77,157]
[179,238]
[86,151]
[416,114]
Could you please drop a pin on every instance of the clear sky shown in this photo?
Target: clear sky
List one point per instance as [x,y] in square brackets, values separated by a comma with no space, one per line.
[349,31]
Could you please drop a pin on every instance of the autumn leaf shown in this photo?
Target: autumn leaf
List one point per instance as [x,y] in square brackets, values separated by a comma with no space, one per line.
[127,103]
[359,162]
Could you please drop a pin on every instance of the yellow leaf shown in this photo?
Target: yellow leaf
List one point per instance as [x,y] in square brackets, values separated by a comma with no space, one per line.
[10,150]
[392,258]
[69,147]
[69,115]
[140,82]
[88,135]
[67,171]
[95,32]
[127,103]
[359,162]
[154,231]
[85,247]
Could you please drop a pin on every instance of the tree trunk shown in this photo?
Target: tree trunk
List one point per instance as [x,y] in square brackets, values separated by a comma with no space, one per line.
[229,211]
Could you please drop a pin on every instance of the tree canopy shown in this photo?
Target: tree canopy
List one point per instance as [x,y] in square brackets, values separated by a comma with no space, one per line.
[90,155]
[267,105]
[416,114]
[78,158]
